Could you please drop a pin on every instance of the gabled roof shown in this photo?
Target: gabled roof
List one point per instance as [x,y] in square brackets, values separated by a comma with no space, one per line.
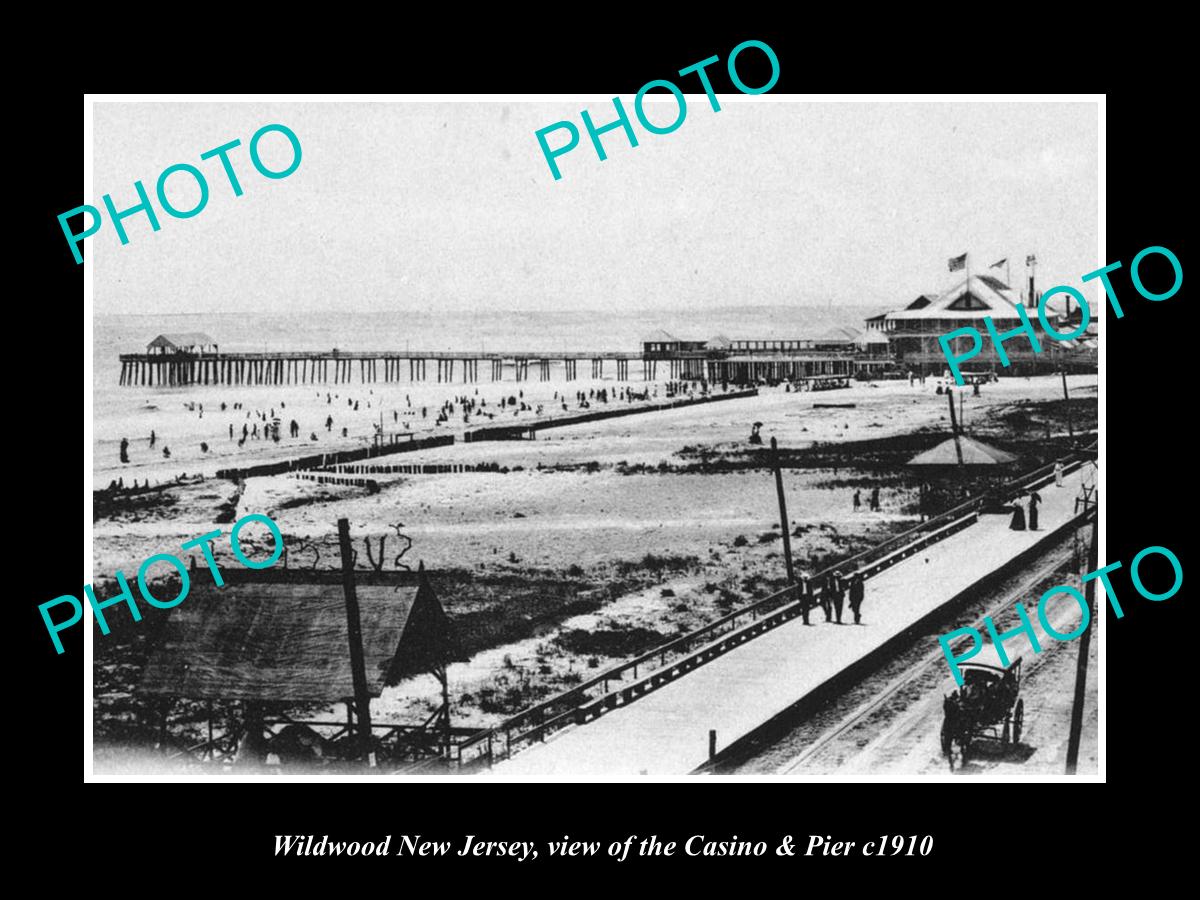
[839,334]
[660,337]
[975,453]
[994,283]
[720,342]
[922,301]
[988,295]
[288,641]
[182,339]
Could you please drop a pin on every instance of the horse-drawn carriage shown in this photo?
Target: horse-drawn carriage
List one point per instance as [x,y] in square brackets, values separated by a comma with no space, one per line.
[986,706]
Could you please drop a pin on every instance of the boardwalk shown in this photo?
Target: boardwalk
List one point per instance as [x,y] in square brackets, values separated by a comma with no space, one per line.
[666,732]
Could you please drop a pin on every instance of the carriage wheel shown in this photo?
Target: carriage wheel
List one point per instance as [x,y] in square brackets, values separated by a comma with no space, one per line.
[1018,721]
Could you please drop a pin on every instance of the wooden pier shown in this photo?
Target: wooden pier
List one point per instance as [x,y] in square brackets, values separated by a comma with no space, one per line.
[335,367]
[186,368]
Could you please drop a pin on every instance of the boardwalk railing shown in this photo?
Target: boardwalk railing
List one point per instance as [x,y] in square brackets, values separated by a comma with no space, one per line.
[579,704]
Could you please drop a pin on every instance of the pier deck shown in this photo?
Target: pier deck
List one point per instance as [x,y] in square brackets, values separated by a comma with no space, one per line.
[339,367]
[666,733]
[185,368]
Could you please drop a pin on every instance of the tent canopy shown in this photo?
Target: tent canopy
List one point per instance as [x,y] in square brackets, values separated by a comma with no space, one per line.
[974,452]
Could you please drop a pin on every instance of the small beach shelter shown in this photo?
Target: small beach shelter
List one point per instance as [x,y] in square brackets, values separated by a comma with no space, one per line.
[974,453]
[288,641]
[183,342]
[273,643]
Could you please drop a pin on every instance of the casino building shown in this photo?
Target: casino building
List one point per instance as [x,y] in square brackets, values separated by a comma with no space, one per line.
[914,329]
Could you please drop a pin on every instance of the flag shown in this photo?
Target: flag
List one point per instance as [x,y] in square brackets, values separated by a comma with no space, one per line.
[958,262]
[1030,259]
[997,265]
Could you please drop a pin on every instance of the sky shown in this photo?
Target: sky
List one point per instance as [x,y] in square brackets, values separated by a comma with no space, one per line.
[450,205]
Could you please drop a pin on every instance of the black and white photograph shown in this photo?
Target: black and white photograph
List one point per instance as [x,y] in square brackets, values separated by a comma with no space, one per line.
[423,444]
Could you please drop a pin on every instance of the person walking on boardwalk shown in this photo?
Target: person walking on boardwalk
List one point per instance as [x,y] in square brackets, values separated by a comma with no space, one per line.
[804,595]
[1018,516]
[826,595]
[857,590]
[838,594]
[1034,499]
[857,501]
[1058,473]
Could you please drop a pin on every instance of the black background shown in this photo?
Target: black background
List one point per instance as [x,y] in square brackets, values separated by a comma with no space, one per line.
[987,828]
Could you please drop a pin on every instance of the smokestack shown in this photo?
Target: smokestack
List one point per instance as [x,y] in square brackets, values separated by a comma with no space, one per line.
[1032,294]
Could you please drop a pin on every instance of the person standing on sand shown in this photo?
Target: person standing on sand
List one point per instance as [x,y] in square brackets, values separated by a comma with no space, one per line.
[152,437]
[1058,473]
[231,431]
[857,501]
[124,450]
[875,499]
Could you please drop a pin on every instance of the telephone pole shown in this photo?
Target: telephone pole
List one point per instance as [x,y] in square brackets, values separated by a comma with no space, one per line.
[1081,666]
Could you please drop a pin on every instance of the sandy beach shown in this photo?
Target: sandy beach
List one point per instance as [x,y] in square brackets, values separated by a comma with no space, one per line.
[585,546]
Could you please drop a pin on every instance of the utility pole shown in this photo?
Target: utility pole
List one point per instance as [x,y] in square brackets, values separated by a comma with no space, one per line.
[358,669]
[954,426]
[1081,667]
[783,516]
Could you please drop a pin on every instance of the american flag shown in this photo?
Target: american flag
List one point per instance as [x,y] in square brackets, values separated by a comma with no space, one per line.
[958,262]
